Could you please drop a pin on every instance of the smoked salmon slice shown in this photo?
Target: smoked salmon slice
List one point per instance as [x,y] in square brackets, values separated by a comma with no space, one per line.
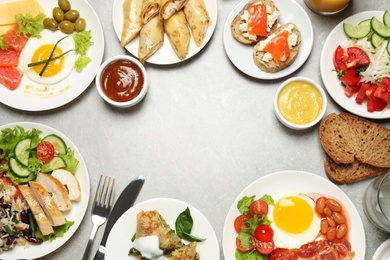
[10,77]
[9,57]
[278,46]
[15,41]
[257,24]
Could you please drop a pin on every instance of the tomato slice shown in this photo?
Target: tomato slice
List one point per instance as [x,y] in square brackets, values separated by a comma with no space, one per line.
[357,58]
[259,208]
[45,151]
[382,93]
[265,248]
[278,46]
[264,233]
[239,222]
[257,24]
[374,103]
[243,249]
[362,92]
[339,59]
[386,82]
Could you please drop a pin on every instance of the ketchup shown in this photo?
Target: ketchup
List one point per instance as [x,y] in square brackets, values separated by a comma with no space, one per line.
[122,80]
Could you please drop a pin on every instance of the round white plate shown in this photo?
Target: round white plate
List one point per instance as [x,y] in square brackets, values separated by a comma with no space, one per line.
[329,77]
[294,181]
[68,89]
[77,212]
[119,240]
[241,55]
[383,251]
[166,54]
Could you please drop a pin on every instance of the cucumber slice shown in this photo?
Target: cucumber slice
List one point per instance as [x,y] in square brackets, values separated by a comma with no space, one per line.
[376,40]
[379,28]
[55,163]
[386,18]
[366,22]
[57,142]
[356,31]
[18,169]
[388,47]
[22,151]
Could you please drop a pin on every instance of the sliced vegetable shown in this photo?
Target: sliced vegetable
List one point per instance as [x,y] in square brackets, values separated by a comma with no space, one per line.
[242,248]
[379,28]
[18,169]
[376,40]
[386,18]
[239,222]
[57,142]
[356,31]
[258,207]
[55,163]
[22,151]
[45,151]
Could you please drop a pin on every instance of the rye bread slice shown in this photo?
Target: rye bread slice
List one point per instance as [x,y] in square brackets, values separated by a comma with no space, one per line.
[351,172]
[346,137]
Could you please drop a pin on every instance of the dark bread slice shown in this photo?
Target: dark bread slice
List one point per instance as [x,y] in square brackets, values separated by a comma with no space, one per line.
[351,172]
[274,65]
[346,137]
[235,25]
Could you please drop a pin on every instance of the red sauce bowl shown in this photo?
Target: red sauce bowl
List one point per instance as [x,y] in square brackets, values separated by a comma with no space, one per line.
[122,81]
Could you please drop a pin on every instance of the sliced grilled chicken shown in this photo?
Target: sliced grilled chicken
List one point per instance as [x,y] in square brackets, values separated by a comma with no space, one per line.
[70,182]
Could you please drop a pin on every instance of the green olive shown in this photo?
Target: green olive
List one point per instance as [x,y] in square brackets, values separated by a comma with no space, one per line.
[64,5]
[50,24]
[66,27]
[80,24]
[72,15]
[58,14]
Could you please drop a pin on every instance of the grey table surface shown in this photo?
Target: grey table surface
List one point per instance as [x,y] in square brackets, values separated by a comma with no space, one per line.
[202,134]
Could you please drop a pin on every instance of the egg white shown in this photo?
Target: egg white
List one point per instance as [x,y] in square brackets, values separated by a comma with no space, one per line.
[49,37]
[287,240]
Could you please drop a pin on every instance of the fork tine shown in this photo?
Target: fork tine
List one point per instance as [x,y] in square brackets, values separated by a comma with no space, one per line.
[106,192]
[109,202]
[98,192]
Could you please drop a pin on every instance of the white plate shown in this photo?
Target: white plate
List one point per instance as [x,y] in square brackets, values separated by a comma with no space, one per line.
[329,77]
[119,240]
[383,251]
[241,55]
[77,81]
[166,54]
[77,212]
[294,181]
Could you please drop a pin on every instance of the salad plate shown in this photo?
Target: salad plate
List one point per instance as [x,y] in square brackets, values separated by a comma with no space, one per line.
[119,239]
[31,96]
[329,76]
[383,251]
[294,181]
[77,212]
[166,54]
[241,55]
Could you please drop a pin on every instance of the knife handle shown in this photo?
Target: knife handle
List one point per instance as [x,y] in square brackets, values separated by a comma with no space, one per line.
[100,253]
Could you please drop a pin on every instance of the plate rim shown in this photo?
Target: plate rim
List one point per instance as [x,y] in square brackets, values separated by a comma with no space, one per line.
[383,248]
[174,59]
[264,75]
[348,104]
[63,98]
[353,214]
[146,203]
[51,246]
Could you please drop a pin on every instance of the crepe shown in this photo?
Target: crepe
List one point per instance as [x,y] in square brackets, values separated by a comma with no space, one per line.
[151,38]
[178,33]
[150,8]
[132,20]
[170,7]
[198,19]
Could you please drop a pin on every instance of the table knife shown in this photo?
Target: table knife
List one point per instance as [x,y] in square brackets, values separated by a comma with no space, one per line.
[124,202]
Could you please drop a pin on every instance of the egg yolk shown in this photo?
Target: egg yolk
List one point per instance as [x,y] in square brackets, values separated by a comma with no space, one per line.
[293,214]
[43,53]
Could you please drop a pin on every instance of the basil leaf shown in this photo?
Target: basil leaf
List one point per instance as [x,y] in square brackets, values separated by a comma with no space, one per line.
[183,225]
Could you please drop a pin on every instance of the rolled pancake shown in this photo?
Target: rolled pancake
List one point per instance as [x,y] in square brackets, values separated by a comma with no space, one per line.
[178,33]
[150,8]
[198,19]
[151,38]
[132,20]
[170,7]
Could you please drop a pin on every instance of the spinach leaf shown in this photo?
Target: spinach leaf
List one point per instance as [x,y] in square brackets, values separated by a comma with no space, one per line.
[183,225]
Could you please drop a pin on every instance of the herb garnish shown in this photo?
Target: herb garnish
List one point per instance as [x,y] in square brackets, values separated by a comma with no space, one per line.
[183,225]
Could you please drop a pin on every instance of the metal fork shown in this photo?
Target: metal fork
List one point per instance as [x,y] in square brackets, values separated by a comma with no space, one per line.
[101,208]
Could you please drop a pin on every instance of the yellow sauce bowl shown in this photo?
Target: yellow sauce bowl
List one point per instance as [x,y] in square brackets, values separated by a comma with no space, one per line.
[300,103]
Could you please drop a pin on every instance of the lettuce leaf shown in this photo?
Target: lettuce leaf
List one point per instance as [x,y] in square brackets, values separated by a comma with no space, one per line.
[70,160]
[58,231]
[29,25]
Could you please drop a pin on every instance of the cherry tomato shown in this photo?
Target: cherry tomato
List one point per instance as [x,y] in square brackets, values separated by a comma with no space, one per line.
[243,249]
[239,222]
[265,248]
[45,151]
[259,208]
[264,233]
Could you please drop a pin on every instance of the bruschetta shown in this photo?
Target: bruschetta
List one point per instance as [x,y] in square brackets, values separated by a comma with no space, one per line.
[279,49]
[255,21]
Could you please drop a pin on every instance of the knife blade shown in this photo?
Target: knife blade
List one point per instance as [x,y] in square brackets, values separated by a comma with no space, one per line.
[125,200]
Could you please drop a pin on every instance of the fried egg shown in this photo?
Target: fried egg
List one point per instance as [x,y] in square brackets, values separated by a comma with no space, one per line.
[39,49]
[294,220]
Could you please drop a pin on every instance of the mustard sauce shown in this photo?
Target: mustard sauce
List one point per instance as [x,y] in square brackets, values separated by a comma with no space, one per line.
[300,102]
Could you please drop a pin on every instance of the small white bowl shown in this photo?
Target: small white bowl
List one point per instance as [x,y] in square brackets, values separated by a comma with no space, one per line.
[131,102]
[290,124]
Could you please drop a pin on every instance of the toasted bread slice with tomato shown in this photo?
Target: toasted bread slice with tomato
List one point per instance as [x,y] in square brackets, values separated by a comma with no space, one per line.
[266,61]
[239,25]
